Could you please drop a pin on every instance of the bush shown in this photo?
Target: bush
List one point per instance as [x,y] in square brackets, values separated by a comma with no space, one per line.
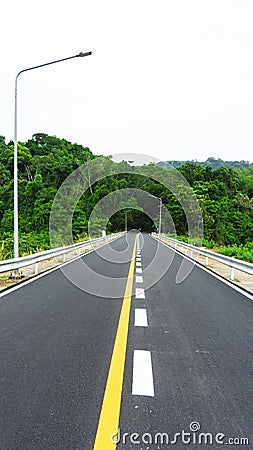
[243,252]
[240,252]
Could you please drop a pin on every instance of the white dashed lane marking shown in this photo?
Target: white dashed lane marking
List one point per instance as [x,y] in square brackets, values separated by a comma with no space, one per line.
[139,279]
[139,293]
[143,383]
[140,317]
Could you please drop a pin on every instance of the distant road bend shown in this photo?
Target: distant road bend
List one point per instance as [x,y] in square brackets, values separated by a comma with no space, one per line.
[147,366]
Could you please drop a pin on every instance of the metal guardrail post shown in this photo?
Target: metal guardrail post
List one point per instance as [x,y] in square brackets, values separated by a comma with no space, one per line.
[36,268]
[232,262]
[232,272]
[33,260]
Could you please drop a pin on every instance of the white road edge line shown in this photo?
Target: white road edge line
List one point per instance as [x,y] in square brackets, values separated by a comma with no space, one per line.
[215,275]
[143,383]
[139,293]
[140,317]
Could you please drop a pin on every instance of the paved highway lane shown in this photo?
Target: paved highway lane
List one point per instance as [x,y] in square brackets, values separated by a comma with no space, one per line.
[56,346]
[188,356]
[200,336]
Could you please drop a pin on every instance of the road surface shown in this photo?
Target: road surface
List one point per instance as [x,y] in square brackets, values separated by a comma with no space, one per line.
[184,350]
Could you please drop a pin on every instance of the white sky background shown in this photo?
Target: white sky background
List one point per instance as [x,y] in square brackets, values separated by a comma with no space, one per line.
[168,78]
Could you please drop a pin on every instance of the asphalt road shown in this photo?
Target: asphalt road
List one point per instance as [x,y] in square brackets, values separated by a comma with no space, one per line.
[57,342]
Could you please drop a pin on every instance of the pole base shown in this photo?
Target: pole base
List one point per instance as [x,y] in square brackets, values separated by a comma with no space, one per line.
[16,274]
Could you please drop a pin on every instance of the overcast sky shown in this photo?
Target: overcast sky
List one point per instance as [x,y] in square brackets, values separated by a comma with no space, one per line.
[168,78]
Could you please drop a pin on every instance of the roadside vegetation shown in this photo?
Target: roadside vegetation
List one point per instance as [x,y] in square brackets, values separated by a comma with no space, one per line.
[225,195]
[243,252]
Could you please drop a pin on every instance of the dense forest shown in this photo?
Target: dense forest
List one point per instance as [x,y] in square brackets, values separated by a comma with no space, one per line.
[210,162]
[225,196]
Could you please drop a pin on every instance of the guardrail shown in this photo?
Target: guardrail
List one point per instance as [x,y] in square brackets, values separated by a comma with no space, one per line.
[227,260]
[18,263]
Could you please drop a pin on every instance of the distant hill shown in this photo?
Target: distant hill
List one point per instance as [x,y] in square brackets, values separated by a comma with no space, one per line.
[211,162]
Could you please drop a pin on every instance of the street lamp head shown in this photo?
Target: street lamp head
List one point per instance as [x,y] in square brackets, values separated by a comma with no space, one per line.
[154,196]
[82,54]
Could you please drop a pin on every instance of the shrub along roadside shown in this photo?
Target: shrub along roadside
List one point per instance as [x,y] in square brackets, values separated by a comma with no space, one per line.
[243,252]
[225,196]
[29,243]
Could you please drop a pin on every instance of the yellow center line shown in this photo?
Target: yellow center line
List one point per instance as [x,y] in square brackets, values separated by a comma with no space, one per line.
[109,415]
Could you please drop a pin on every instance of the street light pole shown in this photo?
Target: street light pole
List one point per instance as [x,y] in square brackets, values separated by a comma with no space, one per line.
[160,213]
[160,217]
[126,221]
[80,55]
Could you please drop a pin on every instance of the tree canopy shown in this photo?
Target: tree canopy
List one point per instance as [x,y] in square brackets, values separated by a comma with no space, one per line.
[225,195]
